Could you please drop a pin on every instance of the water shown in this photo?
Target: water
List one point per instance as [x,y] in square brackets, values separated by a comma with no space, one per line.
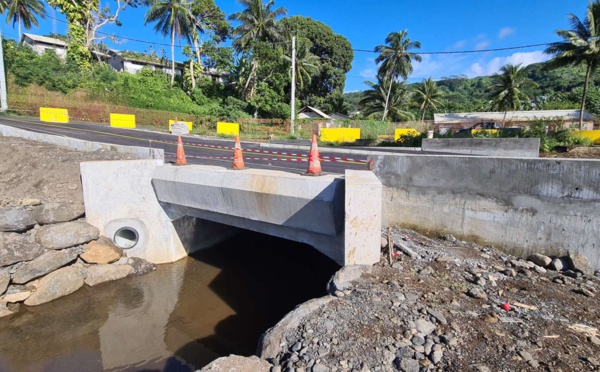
[178,318]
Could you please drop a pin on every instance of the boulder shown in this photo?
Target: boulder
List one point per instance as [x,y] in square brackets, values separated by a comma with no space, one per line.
[18,247]
[579,262]
[540,259]
[97,274]
[44,264]
[57,212]
[15,219]
[60,283]
[67,234]
[16,297]
[558,264]
[101,251]
[141,266]
[4,280]
[236,363]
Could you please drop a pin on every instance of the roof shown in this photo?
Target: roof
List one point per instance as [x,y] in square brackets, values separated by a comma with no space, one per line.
[166,63]
[44,39]
[340,115]
[511,116]
[315,110]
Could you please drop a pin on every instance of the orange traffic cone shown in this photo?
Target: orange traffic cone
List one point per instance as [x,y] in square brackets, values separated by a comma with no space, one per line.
[180,160]
[238,158]
[314,163]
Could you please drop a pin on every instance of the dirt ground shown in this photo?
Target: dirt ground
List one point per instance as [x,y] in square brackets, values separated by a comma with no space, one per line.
[36,170]
[578,153]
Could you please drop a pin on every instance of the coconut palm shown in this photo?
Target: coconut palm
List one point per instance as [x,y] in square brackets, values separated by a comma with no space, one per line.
[581,46]
[171,17]
[258,23]
[23,12]
[396,60]
[380,98]
[307,64]
[507,91]
[428,95]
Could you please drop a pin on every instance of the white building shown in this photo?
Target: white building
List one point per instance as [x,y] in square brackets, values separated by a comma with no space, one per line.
[512,118]
[40,44]
[133,65]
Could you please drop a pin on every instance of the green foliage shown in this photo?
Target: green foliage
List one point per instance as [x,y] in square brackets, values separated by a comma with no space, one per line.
[553,134]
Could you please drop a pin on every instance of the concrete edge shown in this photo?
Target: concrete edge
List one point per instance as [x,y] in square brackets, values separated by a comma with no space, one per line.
[335,150]
[81,145]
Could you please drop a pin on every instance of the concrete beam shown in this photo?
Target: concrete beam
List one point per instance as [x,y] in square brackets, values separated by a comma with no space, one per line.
[505,147]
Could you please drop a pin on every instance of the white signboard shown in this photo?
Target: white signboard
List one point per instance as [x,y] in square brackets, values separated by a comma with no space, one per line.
[179,128]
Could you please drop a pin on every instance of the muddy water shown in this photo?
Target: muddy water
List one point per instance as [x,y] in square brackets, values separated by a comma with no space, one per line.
[178,318]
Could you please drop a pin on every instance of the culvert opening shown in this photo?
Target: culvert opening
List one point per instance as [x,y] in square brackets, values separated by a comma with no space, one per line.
[126,237]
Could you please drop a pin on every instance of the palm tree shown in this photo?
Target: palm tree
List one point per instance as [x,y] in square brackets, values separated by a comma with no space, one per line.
[307,64]
[23,11]
[581,46]
[171,17]
[507,91]
[381,98]
[428,95]
[396,60]
[258,23]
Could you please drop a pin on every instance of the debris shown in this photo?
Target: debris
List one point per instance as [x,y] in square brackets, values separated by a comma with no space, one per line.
[524,306]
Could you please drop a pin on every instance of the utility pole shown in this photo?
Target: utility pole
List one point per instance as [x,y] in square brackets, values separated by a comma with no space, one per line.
[3,105]
[293,103]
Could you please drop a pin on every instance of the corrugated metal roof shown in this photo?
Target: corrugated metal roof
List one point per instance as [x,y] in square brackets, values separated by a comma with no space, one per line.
[316,111]
[45,40]
[511,116]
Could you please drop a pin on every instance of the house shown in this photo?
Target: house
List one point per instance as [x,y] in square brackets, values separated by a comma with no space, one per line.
[309,112]
[40,44]
[510,118]
[338,116]
[123,61]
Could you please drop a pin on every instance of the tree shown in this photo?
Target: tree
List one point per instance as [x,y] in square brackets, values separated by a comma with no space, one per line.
[172,17]
[258,23]
[428,95]
[307,64]
[24,12]
[580,46]
[507,92]
[381,98]
[396,60]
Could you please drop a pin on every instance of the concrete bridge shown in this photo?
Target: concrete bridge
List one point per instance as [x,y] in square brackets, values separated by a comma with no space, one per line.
[163,212]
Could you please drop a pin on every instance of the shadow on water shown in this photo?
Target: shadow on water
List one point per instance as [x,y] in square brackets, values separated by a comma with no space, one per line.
[178,318]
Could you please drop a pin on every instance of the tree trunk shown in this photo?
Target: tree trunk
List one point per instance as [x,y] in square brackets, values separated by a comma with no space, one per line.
[197,47]
[19,22]
[250,78]
[387,100]
[423,116]
[585,89]
[172,56]
[192,74]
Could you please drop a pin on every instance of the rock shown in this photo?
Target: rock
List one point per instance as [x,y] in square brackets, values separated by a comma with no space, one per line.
[426,271]
[30,202]
[57,212]
[18,247]
[102,251]
[445,259]
[407,251]
[141,266]
[407,365]
[44,264]
[320,368]
[384,242]
[579,262]
[4,311]
[97,274]
[449,238]
[539,269]
[236,363]
[57,284]
[67,234]
[594,340]
[417,340]
[477,293]
[584,292]
[438,316]
[436,356]
[15,219]
[4,280]
[540,259]
[525,355]
[425,327]
[342,279]
[557,264]
[16,297]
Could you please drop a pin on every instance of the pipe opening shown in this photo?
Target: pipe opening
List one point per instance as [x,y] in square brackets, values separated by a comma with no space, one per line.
[126,237]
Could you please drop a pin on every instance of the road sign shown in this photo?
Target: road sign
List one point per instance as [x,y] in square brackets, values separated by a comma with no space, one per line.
[179,128]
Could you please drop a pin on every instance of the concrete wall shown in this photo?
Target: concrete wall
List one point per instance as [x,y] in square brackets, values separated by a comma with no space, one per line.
[506,147]
[81,145]
[549,206]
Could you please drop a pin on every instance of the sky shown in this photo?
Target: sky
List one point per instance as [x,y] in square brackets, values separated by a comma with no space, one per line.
[439,25]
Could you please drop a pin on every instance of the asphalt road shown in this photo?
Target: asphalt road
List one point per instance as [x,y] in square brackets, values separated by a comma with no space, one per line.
[198,150]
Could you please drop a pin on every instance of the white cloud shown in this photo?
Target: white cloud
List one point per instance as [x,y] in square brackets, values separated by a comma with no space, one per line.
[505,31]
[426,68]
[483,68]
[368,73]
[482,45]
[458,45]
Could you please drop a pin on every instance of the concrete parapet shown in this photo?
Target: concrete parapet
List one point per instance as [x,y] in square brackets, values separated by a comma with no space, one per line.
[525,206]
[505,147]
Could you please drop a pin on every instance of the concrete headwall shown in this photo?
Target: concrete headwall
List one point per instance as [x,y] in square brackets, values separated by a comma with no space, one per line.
[81,145]
[549,206]
[506,147]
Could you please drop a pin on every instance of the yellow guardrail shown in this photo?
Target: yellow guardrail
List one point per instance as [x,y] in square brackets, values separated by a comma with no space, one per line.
[229,129]
[488,131]
[405,132]
[340,134]
[122,121]
[593,135]
[54,115]
[188,123]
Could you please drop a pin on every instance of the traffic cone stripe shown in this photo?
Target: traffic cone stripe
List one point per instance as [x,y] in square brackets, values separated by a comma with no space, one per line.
[238,157]
[314,163]
[180,160]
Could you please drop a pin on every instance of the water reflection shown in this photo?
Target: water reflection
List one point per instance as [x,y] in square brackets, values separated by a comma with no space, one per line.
[180,317]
